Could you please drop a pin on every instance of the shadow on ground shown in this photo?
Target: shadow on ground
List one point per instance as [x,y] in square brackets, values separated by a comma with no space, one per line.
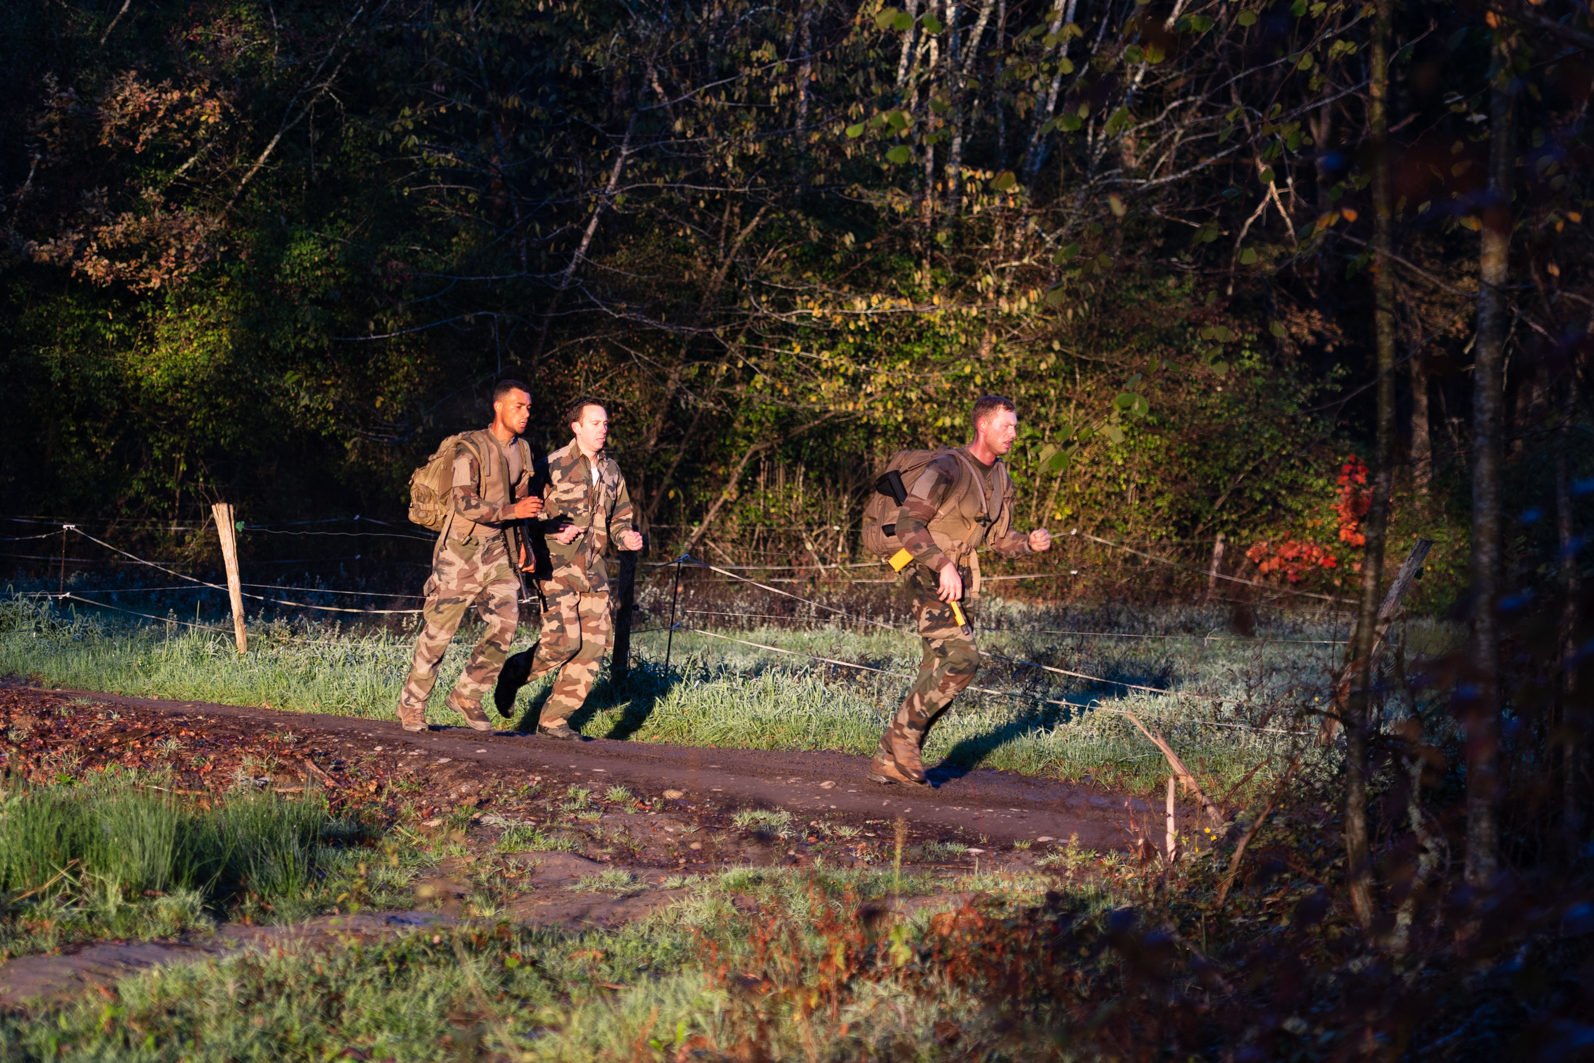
[967,754]
[637,694]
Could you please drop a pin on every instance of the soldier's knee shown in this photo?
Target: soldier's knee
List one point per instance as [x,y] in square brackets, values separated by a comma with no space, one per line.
[557,646]
[501,629]
[962,657]
[593,646]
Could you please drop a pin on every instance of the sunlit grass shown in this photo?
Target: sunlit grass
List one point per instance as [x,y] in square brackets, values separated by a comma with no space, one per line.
[720,693]
[118,855]
[530,994]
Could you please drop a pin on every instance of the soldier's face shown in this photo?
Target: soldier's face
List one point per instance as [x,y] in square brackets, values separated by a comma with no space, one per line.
[999,430]
[592,431]
[513,410]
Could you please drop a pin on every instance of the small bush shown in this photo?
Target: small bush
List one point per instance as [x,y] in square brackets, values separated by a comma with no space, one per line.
[611,881]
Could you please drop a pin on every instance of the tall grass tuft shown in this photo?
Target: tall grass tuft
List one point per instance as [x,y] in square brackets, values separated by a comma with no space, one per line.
[116,834]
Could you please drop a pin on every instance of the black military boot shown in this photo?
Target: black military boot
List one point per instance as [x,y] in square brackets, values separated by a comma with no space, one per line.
[510,679]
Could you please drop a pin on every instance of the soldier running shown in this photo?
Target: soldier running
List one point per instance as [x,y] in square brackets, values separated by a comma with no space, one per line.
[585,505]
[471,561]
[961,500]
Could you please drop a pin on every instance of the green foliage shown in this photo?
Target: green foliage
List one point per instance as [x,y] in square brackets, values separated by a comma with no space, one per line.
[133,838]
[272,254]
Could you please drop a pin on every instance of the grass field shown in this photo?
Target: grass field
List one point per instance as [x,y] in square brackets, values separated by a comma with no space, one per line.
[790,963]
[1235,700]
[875,960]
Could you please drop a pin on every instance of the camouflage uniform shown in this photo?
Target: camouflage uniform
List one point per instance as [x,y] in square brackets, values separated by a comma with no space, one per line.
[954,505]
[471,564]
[573,579]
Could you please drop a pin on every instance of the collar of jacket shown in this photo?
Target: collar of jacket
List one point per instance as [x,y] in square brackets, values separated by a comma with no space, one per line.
[572,450]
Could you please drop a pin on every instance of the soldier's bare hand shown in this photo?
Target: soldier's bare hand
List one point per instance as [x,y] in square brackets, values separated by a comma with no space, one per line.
[568,534]
[526,508]
[631,540]
[951,588]
[1040,540]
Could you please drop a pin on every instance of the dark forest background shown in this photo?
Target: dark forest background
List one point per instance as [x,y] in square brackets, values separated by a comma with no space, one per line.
[272,252]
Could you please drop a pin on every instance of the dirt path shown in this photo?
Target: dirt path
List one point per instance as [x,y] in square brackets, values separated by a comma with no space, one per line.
[474,789]
[1000,806]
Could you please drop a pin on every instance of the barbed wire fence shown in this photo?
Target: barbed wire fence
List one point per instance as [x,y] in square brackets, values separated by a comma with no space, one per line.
[779,581]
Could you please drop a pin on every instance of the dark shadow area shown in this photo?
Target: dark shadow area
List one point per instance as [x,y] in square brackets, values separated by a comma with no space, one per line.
[640,691]
[969,753]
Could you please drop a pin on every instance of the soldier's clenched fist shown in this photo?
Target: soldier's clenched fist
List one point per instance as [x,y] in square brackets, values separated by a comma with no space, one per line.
[526,508]
[631,540]
[1040,540]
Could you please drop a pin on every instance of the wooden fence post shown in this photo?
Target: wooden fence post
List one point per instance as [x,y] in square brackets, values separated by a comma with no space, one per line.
[227,531]
[1173,834]
[1217,565]
[620,663]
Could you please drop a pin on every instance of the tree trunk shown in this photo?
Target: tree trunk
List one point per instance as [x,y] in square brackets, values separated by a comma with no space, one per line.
[1480,699]
[1570,716]
[1358,857]
[1421,440]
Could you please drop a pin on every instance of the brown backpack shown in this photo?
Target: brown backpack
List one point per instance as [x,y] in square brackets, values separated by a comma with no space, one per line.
[431,484]
[891,490]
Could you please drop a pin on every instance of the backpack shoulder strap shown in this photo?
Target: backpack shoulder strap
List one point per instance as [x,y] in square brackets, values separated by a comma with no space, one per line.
[979,483]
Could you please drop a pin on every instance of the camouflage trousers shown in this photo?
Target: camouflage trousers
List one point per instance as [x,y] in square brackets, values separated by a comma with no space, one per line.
[577,630]
[464,572]
[950,661]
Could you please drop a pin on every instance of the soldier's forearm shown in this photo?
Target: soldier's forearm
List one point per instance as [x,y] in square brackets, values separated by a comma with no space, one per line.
[1013,544]
[916,538]
[471,506]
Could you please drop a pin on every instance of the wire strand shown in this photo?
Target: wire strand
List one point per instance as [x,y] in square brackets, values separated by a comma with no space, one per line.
[1094,706]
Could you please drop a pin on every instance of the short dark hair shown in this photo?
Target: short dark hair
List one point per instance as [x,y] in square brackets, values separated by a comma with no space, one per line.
[574,411]
[986,405]
[504,387]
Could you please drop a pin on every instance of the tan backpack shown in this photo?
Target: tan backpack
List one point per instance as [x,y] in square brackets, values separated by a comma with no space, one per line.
[890,491]
[431,484]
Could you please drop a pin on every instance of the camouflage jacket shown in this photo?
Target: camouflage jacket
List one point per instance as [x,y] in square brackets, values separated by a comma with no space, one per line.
[481,496]
[950,511]
[592,496]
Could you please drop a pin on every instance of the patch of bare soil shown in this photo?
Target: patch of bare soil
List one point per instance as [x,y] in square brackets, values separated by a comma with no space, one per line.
[26,979]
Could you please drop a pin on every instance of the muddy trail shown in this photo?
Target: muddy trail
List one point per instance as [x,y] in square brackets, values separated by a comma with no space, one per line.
[443,769]
[642,815]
